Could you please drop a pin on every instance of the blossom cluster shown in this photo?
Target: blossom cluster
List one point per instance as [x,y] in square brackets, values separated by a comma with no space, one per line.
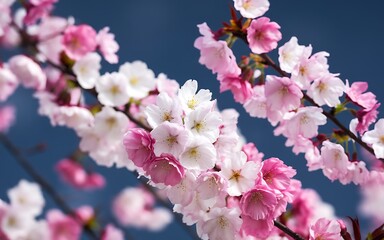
[19,218]
[176,137]
[194,153]
[302,97]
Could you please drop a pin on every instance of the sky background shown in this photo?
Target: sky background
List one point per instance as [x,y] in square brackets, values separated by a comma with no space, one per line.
[161,33]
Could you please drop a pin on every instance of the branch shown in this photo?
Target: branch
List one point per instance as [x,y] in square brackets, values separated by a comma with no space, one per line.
[13,150]
[329,115]
[288,231]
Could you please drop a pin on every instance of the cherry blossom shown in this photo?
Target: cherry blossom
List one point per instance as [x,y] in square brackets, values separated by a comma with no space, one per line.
[199,154]
[7,118]
[252,8]
[140,80]
[28,72]
[221,223]
[263,35]
[107,44]
[27,198]
[112,89]
[170,138]
[376,138]
[325,229]
[241,174]
[165,169]
[110,232]
[74,174]
[289,54]
[326,90]
[87,70]
[8,83]
[79,40]
[62,226]
[215,55]
[189,99]
[165,109]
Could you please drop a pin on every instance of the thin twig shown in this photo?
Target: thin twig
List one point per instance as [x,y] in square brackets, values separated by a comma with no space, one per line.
[287,230]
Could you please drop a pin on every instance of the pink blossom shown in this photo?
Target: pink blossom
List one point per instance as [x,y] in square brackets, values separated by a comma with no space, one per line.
[373,197]
[366,117]
[7,118]
[307,207]
[79,40]
[8,83]
[305,122]
[252,152]
[11,37]
[256,105]
[38,9]
[263,35]
[164,84]
[257,228]
[50,49]
[221,223]
[325,229]
[28,72]
[335,161]
[110,232]
[356,94]
[170,138]
[5,18]
[139,146]
[50,27]
[282,94]
[276,174]
[165,169]
[85,214]
[130,204]
[62,227]
[135,207]
[258,203]
[240,88]
[182,193]
[215,55]
[107,44]
[310,68]
[74,174]
[211,185]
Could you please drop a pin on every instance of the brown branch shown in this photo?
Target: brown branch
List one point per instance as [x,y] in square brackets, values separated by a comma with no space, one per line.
[287,230]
